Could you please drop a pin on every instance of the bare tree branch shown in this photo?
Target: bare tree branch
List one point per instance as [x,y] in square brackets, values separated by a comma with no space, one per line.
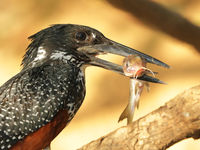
[178,119]
[163,19]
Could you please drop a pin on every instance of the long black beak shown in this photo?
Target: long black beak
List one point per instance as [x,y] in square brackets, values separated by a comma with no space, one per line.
[122,50]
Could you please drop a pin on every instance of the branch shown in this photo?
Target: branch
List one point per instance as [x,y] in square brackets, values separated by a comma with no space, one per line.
[162,18]
[178,119]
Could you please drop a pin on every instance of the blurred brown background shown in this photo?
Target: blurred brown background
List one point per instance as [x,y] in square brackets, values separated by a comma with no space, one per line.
[107,92]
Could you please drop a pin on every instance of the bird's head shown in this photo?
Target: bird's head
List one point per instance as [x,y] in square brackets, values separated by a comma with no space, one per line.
[79,45]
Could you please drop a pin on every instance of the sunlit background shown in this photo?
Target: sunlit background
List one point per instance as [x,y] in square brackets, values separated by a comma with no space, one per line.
[107,92]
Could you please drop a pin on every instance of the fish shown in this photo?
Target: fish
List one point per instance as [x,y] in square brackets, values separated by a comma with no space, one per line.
[134,66]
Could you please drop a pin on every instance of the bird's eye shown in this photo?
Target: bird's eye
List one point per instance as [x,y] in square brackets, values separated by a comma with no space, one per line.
[81,36]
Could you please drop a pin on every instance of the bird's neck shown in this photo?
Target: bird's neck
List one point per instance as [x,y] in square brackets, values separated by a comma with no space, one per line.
[65,79]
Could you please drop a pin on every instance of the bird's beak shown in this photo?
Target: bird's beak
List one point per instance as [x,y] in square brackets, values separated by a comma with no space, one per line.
[116,48]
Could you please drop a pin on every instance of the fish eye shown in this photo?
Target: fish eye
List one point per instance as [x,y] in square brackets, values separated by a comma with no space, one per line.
[81,36]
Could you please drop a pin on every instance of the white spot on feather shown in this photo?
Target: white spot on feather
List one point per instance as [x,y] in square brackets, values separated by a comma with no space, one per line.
[41,54]
[58,55]
[93,35]
[2,147]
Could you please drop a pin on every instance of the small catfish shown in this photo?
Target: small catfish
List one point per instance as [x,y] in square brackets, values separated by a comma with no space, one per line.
[134,66]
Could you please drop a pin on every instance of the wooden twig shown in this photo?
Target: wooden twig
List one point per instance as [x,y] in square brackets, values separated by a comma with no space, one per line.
[167,21]
[178,119]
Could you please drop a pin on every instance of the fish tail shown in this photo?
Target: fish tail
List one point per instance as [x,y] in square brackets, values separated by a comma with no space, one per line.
[127,113]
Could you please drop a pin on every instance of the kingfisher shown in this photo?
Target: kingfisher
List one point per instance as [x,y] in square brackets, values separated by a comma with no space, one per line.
[38,102]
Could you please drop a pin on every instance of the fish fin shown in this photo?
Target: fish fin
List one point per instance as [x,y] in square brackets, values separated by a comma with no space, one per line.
[147,86]
[137,103]
[123,115]
[127,113]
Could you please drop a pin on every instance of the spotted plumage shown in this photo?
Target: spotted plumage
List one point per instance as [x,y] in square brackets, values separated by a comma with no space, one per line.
[34,96]
[51,80]
[38,102]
